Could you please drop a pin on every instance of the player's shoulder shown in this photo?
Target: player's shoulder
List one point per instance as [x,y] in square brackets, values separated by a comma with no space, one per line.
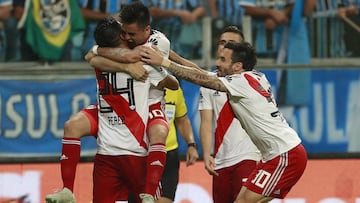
[157,36]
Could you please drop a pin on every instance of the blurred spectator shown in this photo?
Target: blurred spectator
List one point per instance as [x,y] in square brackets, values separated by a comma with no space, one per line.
[224,13]
[48,28]
[13,52]
[228,12]
[272,21]
[96,10]
[21,50]
[5,10]
[329,35]
[179,20]
[350,9]
[295,49]
[268,20]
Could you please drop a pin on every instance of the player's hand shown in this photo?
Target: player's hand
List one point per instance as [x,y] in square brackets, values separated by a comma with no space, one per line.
[191,156]
[150,56]
[89,56]
[210,165]
[138,72]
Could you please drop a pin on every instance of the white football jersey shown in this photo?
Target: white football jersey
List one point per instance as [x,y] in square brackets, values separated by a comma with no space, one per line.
[252,101]
[159,40]
[231,143]
[123,112]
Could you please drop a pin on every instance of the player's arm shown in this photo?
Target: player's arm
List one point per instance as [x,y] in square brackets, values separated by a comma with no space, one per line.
[118,54]
[183,125]
[206,139]
[169,82]
[150,56]
[180,60]
[135,70]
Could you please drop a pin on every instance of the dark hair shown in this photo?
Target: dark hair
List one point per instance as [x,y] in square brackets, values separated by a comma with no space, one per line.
[135,12]
[233,29]
[107,32]
[244,53]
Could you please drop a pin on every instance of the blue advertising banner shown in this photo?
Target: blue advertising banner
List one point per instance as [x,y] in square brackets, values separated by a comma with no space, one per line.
[33,114]
[331,122]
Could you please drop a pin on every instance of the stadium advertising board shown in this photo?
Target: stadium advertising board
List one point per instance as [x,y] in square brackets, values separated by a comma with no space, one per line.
[33,113]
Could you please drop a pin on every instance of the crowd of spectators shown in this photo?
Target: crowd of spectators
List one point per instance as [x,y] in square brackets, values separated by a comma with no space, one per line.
[51,30]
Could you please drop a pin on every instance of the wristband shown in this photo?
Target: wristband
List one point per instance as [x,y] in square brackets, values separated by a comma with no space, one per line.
[165,62]
[94,49]
[193,144]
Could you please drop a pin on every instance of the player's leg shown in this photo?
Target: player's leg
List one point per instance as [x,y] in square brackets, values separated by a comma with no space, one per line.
[81,124]
[170,178]
[110,176]
[248,196]
[274,178]
[222,186]
[157,131]
[239,174]
[135,174]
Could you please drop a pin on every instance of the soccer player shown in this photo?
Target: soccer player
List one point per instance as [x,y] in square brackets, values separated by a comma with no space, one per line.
[176,112]
[86,121]
[135,19]
[251,100]
[120,162]
[234,154]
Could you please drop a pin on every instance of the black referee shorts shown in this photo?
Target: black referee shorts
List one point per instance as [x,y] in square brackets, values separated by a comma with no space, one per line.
[170,178]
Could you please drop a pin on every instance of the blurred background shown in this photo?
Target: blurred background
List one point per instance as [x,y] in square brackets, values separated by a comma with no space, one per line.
[311,58]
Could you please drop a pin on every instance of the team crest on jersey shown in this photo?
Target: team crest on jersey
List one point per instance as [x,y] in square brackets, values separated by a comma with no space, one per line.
[55,15]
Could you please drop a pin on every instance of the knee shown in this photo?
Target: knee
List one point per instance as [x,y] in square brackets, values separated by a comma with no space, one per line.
[158,133]
[71,129]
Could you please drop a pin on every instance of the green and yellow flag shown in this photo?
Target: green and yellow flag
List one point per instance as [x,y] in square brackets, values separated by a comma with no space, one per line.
[49,24]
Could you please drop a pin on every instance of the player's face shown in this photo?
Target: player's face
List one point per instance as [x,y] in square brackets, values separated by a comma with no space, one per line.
[224,63]
[226,37]
[135,34]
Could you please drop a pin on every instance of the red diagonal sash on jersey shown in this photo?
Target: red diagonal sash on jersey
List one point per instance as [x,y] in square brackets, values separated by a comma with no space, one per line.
[132,119]
[223,123]
[121,107]
[257,86]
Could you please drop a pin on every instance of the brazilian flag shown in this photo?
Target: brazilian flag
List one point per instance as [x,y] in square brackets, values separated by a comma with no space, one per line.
[49,24]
